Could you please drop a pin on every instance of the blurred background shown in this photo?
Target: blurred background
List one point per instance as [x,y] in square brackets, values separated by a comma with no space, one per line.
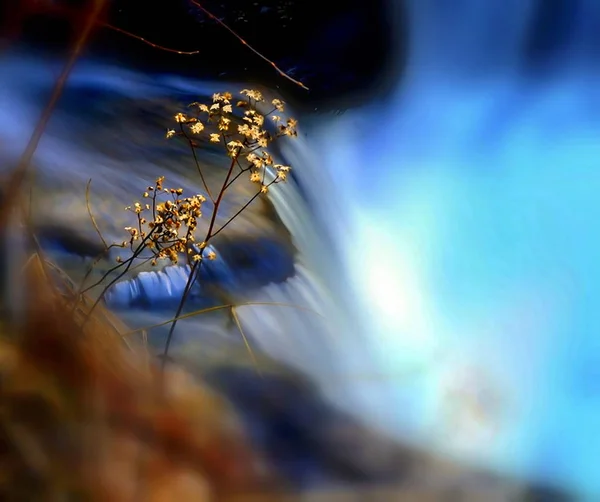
[440,219]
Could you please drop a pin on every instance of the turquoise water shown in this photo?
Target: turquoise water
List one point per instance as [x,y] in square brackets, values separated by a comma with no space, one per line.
[473,198]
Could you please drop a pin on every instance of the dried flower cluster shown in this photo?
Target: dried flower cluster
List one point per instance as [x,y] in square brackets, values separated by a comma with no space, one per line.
[167,221]
[242,130]
[166,227]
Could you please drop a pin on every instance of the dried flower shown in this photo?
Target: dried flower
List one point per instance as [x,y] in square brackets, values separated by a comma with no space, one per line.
[167,221]
[278,104]
[197,127]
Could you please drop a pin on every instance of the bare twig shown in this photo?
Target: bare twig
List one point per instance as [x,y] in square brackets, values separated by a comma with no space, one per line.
[151,44]
[275,67]
[72,12]
[89,210]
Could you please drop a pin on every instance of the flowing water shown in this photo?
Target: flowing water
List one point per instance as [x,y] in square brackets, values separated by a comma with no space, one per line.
[470,199]
[447,234]
[109,127]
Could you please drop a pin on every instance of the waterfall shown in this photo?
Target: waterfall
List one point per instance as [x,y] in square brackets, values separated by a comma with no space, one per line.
[464,209]
[313,331]
[329,342]
[465,39]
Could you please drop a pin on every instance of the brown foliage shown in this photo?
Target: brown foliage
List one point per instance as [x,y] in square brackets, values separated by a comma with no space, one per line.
[84,417]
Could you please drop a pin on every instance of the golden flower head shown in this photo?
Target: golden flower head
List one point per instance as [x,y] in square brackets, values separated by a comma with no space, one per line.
[252,94]
[278,104]
[197,128]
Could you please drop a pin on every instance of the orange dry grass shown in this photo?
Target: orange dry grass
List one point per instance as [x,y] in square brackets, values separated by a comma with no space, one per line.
[84,418]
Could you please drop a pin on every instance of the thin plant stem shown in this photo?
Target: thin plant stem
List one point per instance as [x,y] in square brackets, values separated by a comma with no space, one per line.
[89,210]
[237,322]
[264,58]
[223,307]
[151,44]
[197,162]
[195,268]
[18,176]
